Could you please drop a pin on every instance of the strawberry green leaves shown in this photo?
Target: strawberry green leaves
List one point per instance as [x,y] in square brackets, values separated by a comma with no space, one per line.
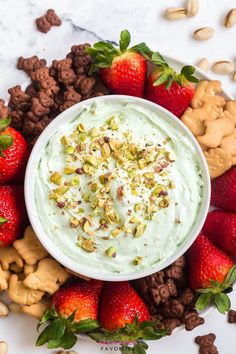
[2,220]
[103,53]
[158,59]
[131,336]
[168,75]
[217,293]
[125,39]
[4,123]
[6,140]
[142,49]
[188,71]
[60,331]
[222,302]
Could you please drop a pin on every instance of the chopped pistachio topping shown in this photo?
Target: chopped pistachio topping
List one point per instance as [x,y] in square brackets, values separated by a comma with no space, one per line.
[92,160]
[170,157]
[65,140]
[108,167]
[68,170]
[69,150]
[61,190]
[149,175]
[86,244]
[111,123]
[164,203]
[116,232]
[56,178]
[88,168]
[94,132]
[80,128]
[94,187]
[139,230]
[106,151]
[133,220]
[75,181]
[137,260]
[110,252]
[74,222]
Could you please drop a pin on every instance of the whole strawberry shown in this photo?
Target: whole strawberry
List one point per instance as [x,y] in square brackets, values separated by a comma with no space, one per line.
[125,318]
[122,70]
[211,273]
[12,213]
[223,191]
[220,228]
[81,296]
[13,153]
[168,88]
[119,305]
[74,310]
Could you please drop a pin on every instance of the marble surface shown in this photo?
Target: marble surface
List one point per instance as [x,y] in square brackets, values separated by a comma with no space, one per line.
[89,21]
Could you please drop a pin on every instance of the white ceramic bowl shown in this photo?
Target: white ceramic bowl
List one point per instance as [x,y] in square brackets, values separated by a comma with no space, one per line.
[33,213]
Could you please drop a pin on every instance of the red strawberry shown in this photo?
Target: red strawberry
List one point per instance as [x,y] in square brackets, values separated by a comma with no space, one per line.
[220,228]
[12,213]
[223,191]
[125,318]
[74,310]
[82,296]
[210,272]
[122,70]
[126,75]
[169,89]
[13,153]
[119,305]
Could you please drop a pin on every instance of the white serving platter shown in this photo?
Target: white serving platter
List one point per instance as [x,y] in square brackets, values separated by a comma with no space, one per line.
[20,332]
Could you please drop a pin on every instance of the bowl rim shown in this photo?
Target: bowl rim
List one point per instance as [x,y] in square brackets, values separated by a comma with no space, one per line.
[36,224]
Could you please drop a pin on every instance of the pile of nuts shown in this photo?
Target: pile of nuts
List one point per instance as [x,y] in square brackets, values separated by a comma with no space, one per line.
[177,13]
[223,67]
[51,91]
[169,298]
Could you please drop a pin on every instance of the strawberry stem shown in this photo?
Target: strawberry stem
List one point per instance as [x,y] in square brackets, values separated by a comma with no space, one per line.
[103,52]
[131,336]
[168,75]
[217,293]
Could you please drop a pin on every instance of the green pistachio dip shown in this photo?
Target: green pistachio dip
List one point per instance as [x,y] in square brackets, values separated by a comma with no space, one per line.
[118,188]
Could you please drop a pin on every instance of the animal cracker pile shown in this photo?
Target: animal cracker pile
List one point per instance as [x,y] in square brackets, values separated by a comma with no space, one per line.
[29,274]
[212,120]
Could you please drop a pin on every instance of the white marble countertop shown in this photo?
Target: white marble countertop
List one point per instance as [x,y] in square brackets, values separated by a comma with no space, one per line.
[89,21]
